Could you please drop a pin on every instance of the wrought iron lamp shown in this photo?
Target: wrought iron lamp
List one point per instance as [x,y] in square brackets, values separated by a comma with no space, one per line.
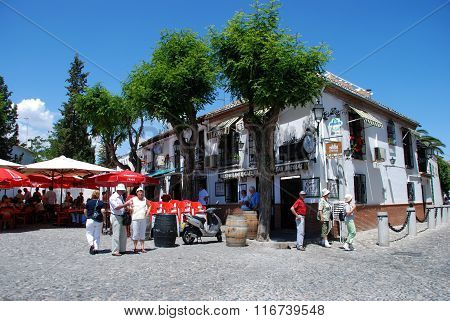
[241,145]
[392,160]
[348,153]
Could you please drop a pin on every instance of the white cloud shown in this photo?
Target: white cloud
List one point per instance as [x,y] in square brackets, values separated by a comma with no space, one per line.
[34,115]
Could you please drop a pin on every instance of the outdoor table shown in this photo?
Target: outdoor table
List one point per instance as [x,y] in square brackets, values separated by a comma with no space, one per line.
[66,215]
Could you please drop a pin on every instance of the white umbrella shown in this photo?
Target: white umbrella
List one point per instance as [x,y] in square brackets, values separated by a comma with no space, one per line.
[7,164]
[65,167]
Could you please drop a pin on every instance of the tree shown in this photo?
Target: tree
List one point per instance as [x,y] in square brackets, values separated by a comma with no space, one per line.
[9,130]
[177,83]
[70,136]
[114,119]
[436,144]
[271,70]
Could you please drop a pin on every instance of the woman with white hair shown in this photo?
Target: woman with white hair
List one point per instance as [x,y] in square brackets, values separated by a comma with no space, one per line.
[323,216]
[349,222]
[139,216]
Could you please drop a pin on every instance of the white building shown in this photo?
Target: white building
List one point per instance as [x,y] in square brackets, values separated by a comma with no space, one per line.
[360,147]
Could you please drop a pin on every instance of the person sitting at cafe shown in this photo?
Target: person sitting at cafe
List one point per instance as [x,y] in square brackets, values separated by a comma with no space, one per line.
[245,201]
[20,197]
[94,211]
[37,194]
[26,194]
[79,201]
[6,202]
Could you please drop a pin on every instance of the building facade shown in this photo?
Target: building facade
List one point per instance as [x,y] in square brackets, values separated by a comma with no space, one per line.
[359,147]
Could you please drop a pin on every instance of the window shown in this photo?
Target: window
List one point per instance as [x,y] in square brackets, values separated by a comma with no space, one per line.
[407,148]
[231,191]
[357,136]
[333,186]
[411,192]
[229,148]
[251,149]
[422,158]
[391,133]
[360,189]
[177,155]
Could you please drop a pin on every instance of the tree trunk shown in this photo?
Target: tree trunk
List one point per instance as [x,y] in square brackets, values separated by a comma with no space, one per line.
[187,149]
[263,134]
[110,146]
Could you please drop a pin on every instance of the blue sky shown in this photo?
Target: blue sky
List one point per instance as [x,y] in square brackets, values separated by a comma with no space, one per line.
[410,74]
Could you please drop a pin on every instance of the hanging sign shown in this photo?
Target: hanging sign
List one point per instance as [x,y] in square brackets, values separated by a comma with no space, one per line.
[335,127]
[333,149]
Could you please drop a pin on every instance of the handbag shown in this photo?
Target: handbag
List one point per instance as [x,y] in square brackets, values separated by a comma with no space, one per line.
[97,216]
[126,219]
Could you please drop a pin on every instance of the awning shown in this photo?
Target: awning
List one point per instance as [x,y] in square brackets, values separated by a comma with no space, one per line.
[161,172]
[222,128]
[367,117]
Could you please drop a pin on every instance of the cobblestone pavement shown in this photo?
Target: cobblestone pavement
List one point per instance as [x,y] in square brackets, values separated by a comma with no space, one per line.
[54,264]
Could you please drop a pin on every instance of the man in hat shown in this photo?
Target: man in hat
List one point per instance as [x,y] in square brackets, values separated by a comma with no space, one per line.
[299,210]
[117,206]
[323,216]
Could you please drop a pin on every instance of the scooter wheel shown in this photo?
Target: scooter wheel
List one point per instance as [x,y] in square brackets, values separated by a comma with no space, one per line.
[188,238]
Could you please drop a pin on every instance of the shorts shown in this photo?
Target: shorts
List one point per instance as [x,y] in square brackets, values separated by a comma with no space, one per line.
[138,227]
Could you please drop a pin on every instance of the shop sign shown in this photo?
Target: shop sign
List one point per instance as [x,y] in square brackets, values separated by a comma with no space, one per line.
[333,149]
[237,174]
[291,167]
[311,186]
[335,127]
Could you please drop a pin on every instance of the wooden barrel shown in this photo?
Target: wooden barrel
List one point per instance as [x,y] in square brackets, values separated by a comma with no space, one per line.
[236,231]
[251,218]
[165,230]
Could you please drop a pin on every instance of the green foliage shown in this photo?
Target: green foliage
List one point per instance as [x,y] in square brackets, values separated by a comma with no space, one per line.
[444,174]
[9,130]
[70,136]
[429,141]
[264,64]
[178,82]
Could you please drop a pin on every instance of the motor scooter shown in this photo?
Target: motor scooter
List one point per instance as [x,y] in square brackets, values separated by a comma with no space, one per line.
[196,227]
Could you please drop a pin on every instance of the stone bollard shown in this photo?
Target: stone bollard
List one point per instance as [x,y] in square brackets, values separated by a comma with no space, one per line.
[438,216]
[431,218]
[412,229]
[383,229]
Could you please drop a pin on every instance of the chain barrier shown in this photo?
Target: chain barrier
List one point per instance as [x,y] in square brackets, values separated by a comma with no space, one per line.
[425,218]
[403,226]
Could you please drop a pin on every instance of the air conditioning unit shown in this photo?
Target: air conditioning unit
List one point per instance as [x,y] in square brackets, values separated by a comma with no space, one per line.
[207,161]
[213,160]
[380,154]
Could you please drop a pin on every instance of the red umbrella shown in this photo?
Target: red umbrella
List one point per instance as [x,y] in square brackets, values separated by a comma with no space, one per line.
[10,178]
[128,178]
[39,180]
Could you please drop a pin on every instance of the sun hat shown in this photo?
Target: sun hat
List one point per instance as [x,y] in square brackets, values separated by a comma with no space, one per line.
[325,192]
[348,198]
[139,189]
[302,193]
[120,187]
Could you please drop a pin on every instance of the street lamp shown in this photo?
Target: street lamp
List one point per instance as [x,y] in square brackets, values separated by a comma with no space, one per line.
[429,152]
[392,160]
[241,145]
[318,111]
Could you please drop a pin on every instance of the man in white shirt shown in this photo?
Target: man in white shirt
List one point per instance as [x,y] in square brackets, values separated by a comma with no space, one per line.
[203,196]
[117,206]
[50,202]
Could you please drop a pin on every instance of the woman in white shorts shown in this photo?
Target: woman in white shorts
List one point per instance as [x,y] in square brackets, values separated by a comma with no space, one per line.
[139,219]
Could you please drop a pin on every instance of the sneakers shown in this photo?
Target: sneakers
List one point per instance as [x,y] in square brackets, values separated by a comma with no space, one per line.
[301,248]
[92,250]
[326,244]
[348,247]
